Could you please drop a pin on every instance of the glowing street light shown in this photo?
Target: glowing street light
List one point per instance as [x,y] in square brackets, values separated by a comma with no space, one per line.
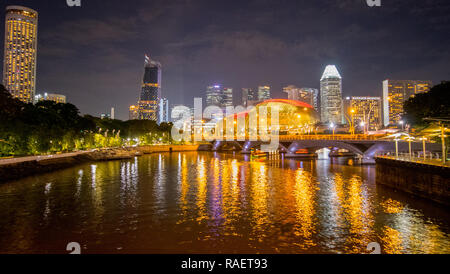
[424,139]
[410,139]
[402,123]
[333,127]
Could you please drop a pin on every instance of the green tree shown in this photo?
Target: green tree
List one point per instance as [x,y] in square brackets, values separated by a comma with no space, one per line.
[435,103]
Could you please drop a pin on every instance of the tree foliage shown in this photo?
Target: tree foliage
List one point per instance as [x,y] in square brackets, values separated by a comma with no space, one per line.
[435,103]
[49,127]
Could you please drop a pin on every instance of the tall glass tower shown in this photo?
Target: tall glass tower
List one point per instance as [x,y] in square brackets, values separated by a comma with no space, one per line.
[151,91]
[19,67]
[249,97]
[331,103]
[218,96]
[263,93]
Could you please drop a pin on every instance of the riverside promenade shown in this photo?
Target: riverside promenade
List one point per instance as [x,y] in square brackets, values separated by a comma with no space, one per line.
[423,177]
[16,168]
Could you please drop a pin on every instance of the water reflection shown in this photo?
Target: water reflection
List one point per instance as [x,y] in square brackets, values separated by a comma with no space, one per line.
[209,203]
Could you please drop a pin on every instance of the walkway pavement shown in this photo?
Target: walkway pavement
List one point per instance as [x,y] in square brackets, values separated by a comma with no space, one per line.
[432,162]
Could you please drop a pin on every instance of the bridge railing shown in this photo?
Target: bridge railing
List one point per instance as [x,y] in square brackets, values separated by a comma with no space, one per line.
[356,137]
[415,157]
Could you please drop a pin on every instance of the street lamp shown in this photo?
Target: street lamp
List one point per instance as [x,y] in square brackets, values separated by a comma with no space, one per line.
[333,127]
[424,139]
[410,139]
[363,125]
[352,111]
[396,147]
[402,124]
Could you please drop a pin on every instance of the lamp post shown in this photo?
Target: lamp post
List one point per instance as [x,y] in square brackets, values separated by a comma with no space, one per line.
[363,125]
[396,148]
[444,149]
[410,151]
[424,139]
[352,111]
[333,127]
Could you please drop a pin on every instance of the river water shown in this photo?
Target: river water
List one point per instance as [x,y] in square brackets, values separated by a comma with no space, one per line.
[216,203]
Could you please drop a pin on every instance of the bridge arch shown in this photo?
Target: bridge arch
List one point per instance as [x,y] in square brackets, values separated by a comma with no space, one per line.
[256,144]
[319,144]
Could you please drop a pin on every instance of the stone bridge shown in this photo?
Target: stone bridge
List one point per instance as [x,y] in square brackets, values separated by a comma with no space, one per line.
[364,147]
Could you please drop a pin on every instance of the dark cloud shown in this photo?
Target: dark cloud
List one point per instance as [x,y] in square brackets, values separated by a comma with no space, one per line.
[94,54]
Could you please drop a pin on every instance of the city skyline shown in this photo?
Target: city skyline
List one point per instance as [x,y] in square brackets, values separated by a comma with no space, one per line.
[113,73]
[258,127]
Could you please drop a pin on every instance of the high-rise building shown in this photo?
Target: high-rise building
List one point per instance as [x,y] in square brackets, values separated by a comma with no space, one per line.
[133,113]
[396,93]
[151,91]
[331,105]
[249,97]
[227,97]
[163,110]
[214,96]
[218,96]
[105,116]
[365,110]
[113,113]
[263,93]
[306,95]
[57,98]
[19,65]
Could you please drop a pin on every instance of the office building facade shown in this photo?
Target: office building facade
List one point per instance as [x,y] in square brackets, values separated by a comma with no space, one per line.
[219,96]
[264,93]
[57,98]
[133,112]
[249,97]
[164,110]
[396,93]
[366,110]
[19,66]
[151,91]
[306,95]
[331,103]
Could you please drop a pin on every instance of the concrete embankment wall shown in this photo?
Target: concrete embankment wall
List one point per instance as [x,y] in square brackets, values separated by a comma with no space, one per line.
[13,169]
[426,181]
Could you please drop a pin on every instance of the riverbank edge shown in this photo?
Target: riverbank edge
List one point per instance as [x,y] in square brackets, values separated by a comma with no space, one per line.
[426,181]
[14,169]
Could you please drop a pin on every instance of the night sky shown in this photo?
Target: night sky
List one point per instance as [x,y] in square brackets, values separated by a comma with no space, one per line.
[95,54]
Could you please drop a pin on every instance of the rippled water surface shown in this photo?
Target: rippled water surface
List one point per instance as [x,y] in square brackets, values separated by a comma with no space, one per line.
[216,203]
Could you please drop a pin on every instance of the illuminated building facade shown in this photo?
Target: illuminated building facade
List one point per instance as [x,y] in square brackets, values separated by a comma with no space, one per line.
[151,91]
[164,110]
[331,103]
[57,98]
[263,93]
[306,95]
[396,93]
[294,117]
[366,110]
[133,113]
[218,96]
[19,67]
[249,97]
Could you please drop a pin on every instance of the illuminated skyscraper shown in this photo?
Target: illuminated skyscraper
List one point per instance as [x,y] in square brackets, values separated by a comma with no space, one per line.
[133,113]
[151,91]
[19,68]
[249,97]
[263,93]
[306,95]
[396,93]
[57,98]
[331,106]
[163,110]
[218,96]
[366,110]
